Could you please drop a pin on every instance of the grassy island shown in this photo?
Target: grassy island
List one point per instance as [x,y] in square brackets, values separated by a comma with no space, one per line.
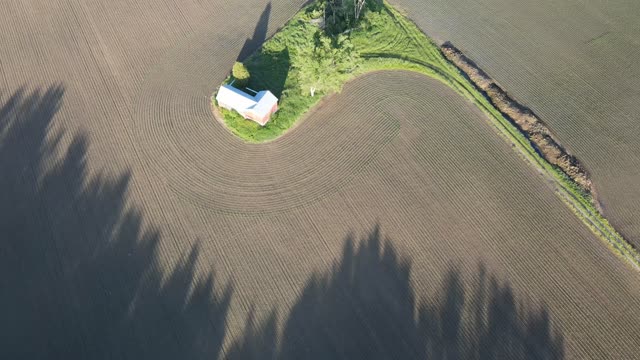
[313,56]
[308,59]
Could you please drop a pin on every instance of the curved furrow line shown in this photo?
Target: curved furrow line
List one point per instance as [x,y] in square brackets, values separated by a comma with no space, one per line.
[207,165]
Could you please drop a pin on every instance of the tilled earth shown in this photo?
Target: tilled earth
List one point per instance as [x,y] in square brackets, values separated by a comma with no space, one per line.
[576,64]
[393,222]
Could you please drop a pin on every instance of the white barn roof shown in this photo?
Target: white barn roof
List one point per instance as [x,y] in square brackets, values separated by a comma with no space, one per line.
[235,98]
[257,108]
[265,102]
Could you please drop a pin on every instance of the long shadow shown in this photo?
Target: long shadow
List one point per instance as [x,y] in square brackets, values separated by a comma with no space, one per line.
[487,323]
[80,279]
[365,308]
[259,35]
[79,274]
[270,70]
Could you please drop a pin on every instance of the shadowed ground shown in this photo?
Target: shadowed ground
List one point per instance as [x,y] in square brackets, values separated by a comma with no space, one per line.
[81,281]
[79,274]
[259,35]
[366,308]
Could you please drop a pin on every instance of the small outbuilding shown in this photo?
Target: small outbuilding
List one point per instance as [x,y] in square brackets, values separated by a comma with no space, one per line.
[258,108]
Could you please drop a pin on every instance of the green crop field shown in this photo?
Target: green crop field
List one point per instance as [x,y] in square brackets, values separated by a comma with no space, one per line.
[392,222]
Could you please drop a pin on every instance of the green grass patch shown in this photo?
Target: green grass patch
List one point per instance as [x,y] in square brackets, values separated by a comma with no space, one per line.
[300,57]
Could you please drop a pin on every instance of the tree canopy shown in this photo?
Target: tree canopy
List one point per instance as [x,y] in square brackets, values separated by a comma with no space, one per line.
[326,61]
[344,15]
[240,74]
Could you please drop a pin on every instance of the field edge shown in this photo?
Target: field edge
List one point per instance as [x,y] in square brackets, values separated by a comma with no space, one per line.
[430,61]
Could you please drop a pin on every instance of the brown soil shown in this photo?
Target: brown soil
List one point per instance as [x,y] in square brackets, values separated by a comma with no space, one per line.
[134,226]
[529,124]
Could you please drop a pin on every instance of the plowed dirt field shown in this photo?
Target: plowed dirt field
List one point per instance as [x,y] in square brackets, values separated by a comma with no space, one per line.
[393,222]
[576,64]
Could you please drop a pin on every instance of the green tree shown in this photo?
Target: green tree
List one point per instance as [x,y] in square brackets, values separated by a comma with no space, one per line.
[322,66]
[344,15]
[240,74]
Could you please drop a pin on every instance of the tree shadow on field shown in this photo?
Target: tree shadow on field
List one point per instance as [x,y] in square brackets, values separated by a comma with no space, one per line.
[259,35]
[365,308]
[79,274]
[80,278]
[269,70]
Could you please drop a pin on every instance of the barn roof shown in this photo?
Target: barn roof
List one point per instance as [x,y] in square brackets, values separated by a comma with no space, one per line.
[235,98]
[265,101]
[257,108]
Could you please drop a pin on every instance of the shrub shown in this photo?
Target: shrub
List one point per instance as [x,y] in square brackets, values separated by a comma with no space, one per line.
[240,74]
